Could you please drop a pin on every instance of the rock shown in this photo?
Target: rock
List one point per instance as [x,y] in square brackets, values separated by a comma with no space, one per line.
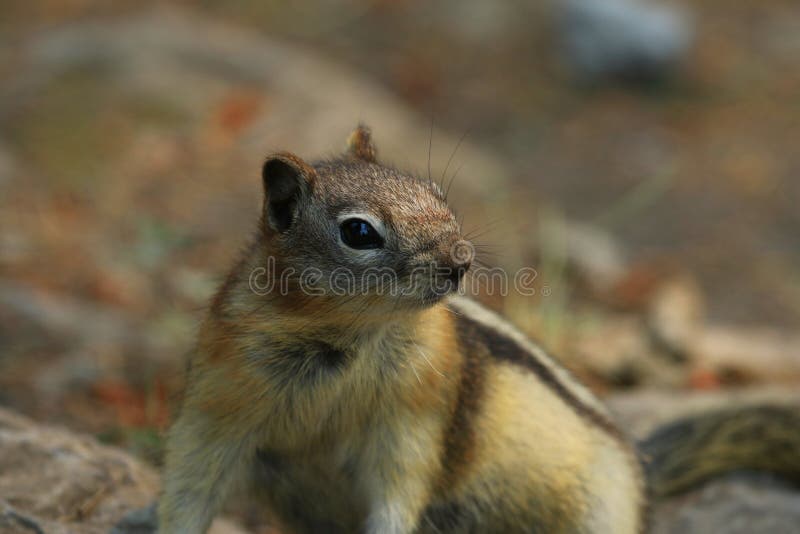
[57,482]
[734,505]
[637,39]
[754,354]
[676,315]
[642,412]
[144,521]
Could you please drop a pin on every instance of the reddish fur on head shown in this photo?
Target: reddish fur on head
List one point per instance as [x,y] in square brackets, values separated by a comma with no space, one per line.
[359,144]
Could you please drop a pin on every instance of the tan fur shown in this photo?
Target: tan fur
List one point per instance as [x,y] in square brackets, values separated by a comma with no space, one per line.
[385,414]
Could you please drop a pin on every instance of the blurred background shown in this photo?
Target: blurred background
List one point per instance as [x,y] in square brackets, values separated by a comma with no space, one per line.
[641,155]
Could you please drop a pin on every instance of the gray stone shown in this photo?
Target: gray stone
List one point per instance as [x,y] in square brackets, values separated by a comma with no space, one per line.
[632,38]
[57,482]
[741,504]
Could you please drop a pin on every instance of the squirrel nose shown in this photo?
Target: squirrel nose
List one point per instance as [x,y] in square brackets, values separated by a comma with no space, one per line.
[462,253]
[458,261]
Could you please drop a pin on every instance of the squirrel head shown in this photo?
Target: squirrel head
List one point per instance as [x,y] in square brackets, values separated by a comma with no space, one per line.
[350,228]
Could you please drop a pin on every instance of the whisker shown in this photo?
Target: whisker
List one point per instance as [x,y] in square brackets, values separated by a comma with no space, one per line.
[452,155]
[481,255]
[452,179]
[484,229]
[414,369]
[481,263]
[430,146]
[426,359]
[432,524]
[454,312]
[484,246]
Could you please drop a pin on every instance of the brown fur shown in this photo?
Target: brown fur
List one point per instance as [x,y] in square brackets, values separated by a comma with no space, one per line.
[359,144]
[414,412]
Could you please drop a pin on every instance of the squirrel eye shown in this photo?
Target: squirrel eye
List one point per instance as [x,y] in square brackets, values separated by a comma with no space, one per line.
[359,234]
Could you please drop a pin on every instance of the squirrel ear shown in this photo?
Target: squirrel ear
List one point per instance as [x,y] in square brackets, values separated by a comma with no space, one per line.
[287,179]
[359,144]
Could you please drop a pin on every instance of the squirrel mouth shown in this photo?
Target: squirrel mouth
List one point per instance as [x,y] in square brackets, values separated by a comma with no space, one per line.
[437,293]
[431,299]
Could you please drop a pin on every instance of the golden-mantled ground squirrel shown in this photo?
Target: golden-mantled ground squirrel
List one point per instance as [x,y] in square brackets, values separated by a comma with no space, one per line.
[360,409]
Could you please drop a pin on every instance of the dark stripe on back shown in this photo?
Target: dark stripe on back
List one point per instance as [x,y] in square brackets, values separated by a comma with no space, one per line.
[459,439]
[503,348]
